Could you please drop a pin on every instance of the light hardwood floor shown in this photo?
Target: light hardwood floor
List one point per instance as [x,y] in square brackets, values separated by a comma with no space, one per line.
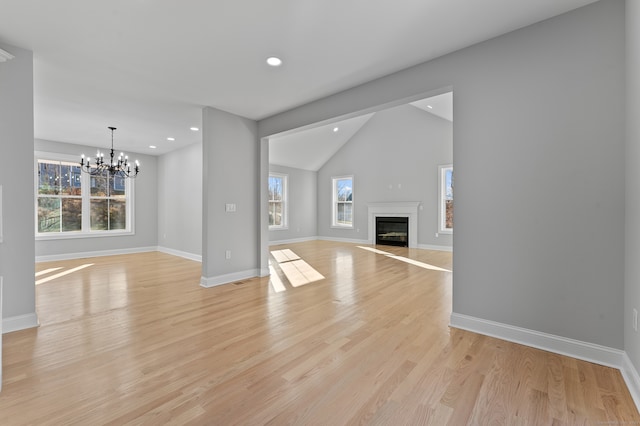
[135,340]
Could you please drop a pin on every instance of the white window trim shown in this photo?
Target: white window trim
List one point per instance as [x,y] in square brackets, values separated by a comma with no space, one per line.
[442,216]
[285,202]
[334,201]
[130,229]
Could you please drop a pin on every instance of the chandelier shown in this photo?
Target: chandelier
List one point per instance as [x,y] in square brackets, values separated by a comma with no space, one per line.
[114,166]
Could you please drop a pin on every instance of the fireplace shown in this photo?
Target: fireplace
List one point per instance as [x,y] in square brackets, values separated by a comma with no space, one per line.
[396,209]
[392,231]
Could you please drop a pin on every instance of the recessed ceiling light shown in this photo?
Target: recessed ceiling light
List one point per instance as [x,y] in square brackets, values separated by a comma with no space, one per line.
[171,139]
[335,129]
[152,146]
[274,61]
[429,106]
[195,129]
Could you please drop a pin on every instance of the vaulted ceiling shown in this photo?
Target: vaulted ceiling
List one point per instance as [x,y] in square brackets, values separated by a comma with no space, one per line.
[309,149]
[149,66]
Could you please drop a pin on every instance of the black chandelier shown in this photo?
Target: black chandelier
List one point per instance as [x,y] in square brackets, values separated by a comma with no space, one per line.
[115,167]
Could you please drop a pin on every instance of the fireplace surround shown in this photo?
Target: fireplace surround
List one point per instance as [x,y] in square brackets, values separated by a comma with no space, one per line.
[404,209]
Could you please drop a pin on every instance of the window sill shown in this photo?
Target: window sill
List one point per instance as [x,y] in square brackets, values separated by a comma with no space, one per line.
[278,228]
[342,227]
[74,235]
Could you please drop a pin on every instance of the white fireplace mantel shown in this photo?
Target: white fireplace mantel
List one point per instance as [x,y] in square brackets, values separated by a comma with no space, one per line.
[408,209]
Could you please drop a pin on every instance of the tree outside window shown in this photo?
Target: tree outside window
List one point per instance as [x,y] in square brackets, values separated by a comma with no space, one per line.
[343,202]
[108,203]
[59,197]
[277,201]
[445,209]
[69,201]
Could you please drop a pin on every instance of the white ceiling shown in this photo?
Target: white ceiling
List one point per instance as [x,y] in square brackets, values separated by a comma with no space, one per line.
[309,149]
[441,105]
[149,66]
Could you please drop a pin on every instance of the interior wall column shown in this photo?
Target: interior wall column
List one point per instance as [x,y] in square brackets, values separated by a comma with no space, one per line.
[17,248]
[230,204]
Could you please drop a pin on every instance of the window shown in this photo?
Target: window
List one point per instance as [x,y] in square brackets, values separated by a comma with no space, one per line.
[70,203]
[343,202]
[59,197]
[108,203]
[277,201]
[445,209]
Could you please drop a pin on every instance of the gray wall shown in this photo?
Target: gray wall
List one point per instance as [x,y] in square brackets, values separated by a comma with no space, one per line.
[302,204]
[16,154]
[230,176]
[538,148]
[393,157]
[539,127]
[145,209]
[632,180]
[180,200]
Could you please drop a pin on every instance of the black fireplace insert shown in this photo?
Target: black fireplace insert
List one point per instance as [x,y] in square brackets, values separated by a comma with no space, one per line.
[392,231]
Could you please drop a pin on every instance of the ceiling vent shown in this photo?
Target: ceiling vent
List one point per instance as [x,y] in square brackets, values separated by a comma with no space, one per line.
[5,56]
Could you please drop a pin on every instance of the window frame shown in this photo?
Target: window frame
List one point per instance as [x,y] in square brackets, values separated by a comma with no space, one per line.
[85,231]
[442,197]
[284,202]
[334,202]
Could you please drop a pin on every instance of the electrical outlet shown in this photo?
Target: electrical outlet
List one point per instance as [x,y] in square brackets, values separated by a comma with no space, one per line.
[635,319]
[227,254]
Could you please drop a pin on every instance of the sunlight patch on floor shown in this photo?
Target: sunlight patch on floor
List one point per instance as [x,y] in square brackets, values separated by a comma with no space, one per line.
[417,263]
[371,249]
[285,255]
[275,280]
[406,259]
[61,274]
[47,271]
[297,271]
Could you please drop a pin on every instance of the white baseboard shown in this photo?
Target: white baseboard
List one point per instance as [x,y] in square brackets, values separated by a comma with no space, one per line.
[183,254]
[631,377]
[434,247]
[82,255]
[561,345]
[344,240]
[208,282]
[590,352]
[292,241]
[19,322]
[265,272]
